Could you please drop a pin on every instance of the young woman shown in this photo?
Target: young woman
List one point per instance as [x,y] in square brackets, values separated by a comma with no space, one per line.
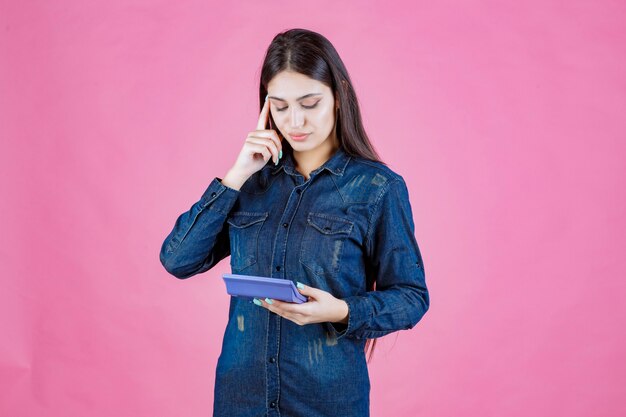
[325,213]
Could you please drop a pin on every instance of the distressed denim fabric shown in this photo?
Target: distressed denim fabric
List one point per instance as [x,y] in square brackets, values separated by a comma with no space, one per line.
[349,224]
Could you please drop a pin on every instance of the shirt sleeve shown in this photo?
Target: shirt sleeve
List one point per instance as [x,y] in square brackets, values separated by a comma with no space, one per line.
[394,260]
[199,239]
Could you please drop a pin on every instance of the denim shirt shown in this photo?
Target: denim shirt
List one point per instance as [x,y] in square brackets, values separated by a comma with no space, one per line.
[349,224]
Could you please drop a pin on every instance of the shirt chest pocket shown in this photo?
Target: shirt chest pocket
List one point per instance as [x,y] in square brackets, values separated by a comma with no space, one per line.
[323,241]
[244,228]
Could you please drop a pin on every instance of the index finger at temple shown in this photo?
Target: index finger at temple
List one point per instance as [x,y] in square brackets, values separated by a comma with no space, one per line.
[262,123]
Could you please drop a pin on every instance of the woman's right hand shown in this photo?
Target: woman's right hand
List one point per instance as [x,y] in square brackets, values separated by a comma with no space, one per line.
[260,146]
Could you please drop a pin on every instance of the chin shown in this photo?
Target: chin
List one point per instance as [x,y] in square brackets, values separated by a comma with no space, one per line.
[299,146]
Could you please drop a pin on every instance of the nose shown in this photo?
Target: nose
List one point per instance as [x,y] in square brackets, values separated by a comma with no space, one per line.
[297,118]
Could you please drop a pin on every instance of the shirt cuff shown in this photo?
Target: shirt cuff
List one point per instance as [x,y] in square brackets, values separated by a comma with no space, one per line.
[359,315]
[219,197]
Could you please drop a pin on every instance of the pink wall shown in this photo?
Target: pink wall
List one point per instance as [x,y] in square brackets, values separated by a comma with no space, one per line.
[507,119]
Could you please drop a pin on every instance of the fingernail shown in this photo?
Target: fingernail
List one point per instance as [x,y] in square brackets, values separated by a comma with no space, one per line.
[268,301]
[280,154]
[266,97]
[276,163]
[257,302]
[300,285]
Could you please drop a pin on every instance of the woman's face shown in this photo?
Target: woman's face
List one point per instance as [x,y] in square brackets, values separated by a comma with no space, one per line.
[302,105]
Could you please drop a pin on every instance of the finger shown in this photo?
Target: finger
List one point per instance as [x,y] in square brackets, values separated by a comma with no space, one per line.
[262,149]
[275,305]
[309,291]
[263,116]
[283,308]
[265,142]
[270,307]
[271,134]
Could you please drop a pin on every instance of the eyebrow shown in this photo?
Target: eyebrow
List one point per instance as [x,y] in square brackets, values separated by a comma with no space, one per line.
[298,99]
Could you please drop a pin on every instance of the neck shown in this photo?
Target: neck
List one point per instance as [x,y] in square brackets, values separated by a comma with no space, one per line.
[308,161]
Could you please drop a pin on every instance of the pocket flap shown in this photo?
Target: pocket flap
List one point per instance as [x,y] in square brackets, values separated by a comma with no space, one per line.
[328,224]
[245,218]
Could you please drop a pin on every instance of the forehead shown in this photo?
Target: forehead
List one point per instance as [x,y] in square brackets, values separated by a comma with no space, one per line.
[291,85]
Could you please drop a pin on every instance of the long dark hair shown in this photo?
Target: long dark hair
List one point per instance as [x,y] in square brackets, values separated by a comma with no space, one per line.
[311,54]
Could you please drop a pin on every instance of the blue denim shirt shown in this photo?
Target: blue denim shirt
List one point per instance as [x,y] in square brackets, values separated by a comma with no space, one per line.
[348,224]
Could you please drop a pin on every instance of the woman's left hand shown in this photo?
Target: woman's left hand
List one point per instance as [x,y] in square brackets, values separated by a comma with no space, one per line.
[321,307]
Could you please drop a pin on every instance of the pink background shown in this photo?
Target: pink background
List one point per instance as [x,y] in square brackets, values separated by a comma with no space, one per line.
[507,119]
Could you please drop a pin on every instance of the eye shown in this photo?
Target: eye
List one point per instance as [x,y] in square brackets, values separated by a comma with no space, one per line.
[306,107]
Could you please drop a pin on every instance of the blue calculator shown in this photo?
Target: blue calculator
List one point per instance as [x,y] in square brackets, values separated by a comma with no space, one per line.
[250,286]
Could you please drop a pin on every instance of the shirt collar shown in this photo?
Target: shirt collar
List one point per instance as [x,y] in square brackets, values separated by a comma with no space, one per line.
[336,164]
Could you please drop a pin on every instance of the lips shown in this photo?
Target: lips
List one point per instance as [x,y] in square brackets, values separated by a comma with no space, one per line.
[298,135]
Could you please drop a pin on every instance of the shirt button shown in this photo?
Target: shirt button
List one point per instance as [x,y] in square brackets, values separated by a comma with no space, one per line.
[278,268]
[213,194]
[272,360]
[285,224]
[273,404]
